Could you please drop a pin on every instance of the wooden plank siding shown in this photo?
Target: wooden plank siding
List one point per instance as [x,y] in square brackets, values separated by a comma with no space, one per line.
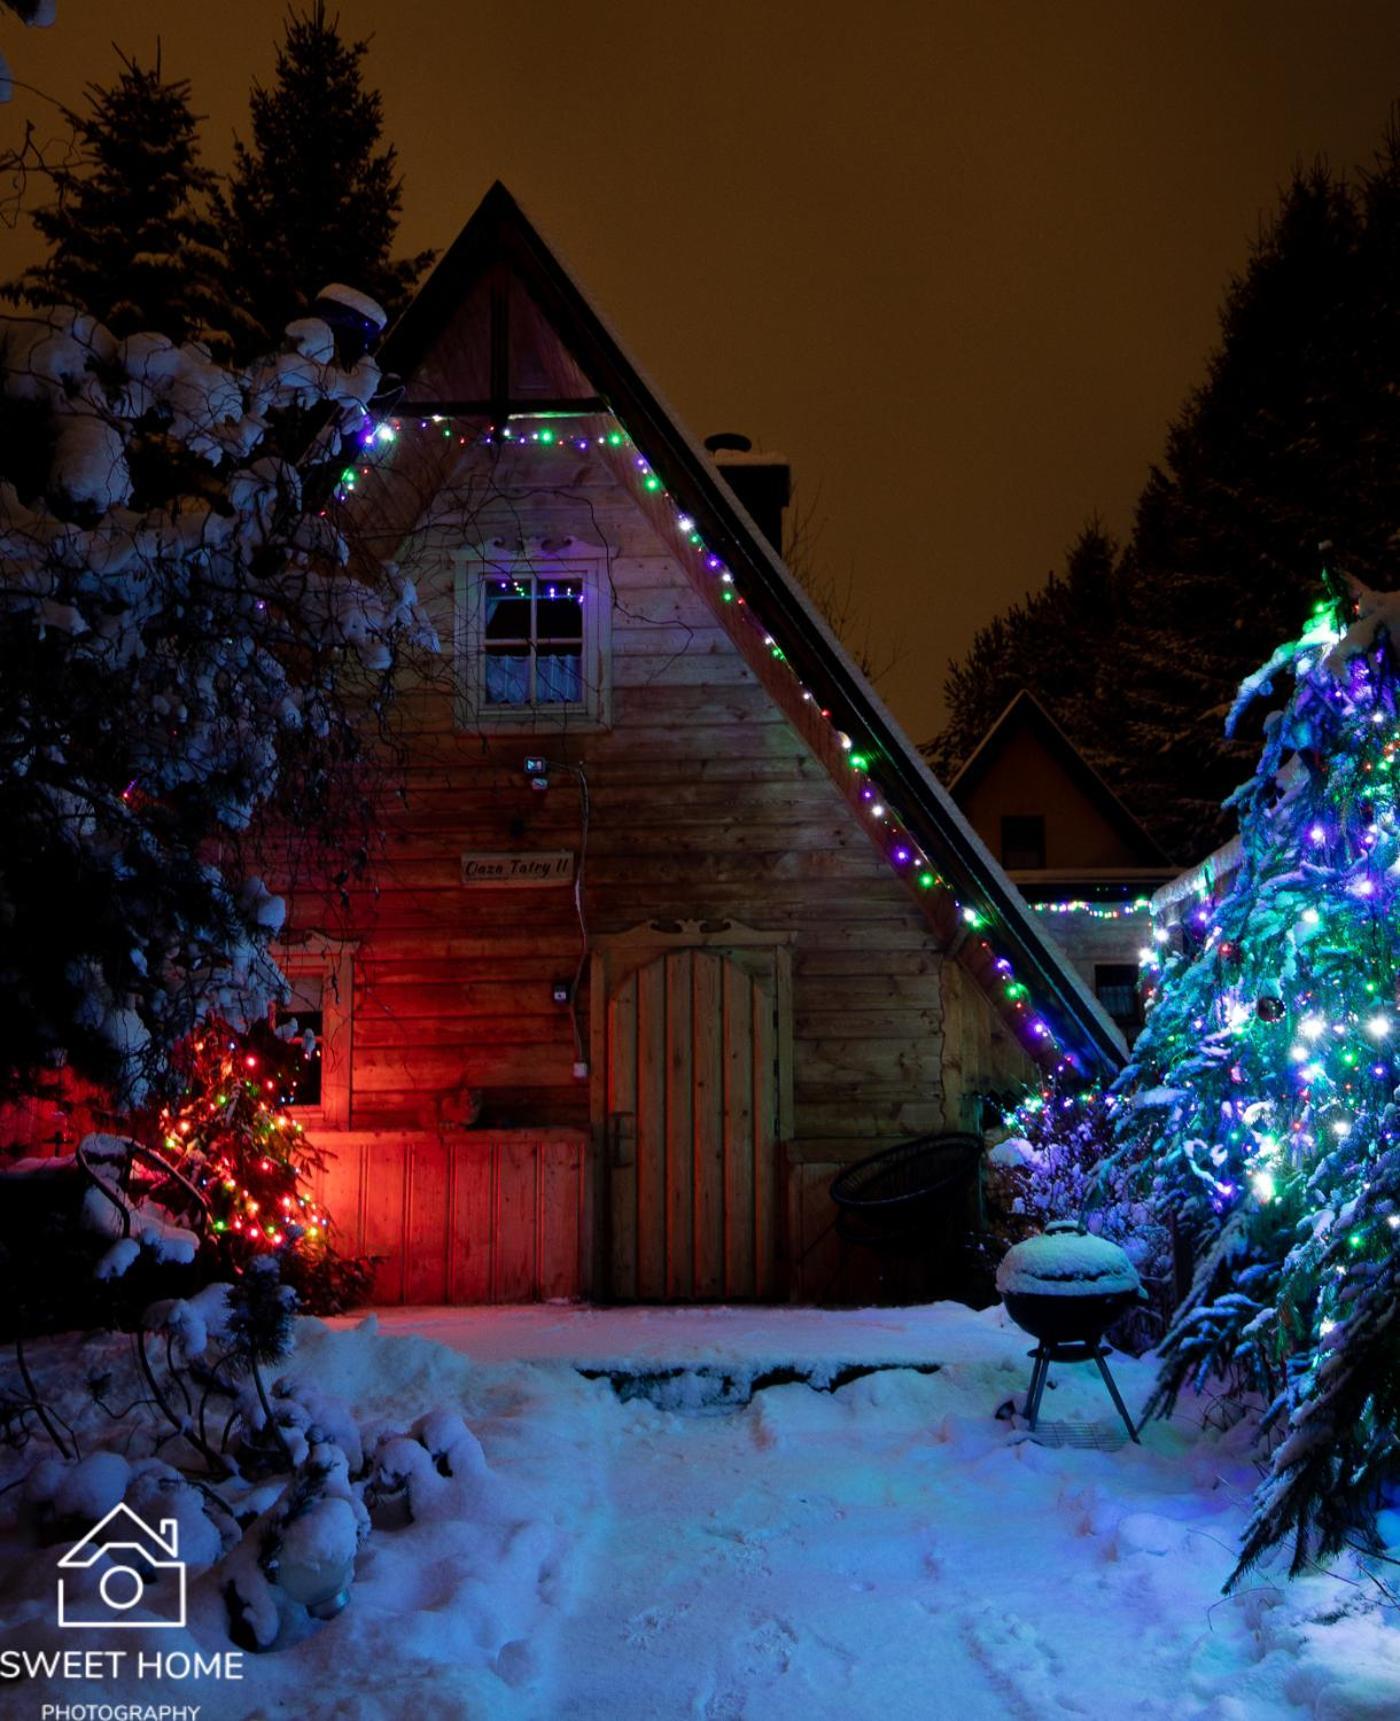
[707,801]
[470,1217]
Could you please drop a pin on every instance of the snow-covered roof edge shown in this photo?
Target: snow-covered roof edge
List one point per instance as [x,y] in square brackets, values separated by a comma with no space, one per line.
[500,231]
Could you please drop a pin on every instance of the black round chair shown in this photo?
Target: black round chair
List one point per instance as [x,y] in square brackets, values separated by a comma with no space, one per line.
[906,1195]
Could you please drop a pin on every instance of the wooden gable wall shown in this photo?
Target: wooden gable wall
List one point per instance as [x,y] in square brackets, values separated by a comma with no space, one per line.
[1026,776]
[707,804]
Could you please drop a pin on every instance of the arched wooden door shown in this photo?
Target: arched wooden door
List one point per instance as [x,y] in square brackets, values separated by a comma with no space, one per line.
[692,1083]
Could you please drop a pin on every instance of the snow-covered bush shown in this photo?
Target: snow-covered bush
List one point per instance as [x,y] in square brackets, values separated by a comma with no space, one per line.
[190,650]
[274,1483]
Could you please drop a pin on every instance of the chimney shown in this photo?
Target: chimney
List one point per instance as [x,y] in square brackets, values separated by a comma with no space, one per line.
[762,482]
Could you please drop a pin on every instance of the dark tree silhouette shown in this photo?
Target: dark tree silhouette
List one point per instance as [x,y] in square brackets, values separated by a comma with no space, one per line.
[130,237]
[1052,643]
[1286,458]
[313,198]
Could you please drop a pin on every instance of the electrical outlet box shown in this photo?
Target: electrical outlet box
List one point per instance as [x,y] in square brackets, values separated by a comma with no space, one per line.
[562,991]
[536,767]
[580,1072]
[539,782]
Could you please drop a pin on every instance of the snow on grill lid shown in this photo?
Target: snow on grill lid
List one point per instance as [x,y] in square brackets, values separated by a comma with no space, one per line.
[1066,1265]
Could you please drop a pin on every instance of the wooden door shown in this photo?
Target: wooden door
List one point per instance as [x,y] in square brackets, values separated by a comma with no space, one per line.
[692,1086]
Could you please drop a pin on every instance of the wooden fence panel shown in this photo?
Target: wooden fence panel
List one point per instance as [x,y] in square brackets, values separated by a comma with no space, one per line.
[466,1217]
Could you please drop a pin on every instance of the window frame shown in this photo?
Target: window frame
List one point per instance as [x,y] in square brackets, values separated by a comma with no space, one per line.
[473,567]
[333,962]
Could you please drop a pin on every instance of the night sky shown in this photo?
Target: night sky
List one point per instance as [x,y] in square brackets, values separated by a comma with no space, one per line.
[960,263]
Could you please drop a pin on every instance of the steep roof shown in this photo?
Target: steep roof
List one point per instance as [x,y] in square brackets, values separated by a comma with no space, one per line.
[1025,712]
[800,661]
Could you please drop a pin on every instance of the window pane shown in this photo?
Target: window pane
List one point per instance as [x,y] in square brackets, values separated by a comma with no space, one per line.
[1023,842]
[507,609]
[307,1091]
[559,676]
[1116,984]
[559,609]
[507,676]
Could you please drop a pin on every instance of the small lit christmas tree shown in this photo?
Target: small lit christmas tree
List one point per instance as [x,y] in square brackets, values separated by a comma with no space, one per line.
[231,1136]
[1261,1097]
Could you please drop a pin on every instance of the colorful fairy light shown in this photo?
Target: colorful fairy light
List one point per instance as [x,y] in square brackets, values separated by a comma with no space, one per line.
[1097,910]
[902,853]
[239,1146]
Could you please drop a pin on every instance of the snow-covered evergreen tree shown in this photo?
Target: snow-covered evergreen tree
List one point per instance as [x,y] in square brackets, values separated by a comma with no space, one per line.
[313,198]
[180,634]
[129,229]
[1261,1100]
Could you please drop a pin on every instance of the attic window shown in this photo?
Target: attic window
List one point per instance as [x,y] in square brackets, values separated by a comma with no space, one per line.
[1023,842]
[533,640]
[530,642]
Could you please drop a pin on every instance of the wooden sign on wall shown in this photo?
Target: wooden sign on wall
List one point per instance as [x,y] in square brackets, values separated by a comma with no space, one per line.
[497,871]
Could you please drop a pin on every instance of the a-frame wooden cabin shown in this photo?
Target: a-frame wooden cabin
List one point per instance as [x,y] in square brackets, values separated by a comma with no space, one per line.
[643,763]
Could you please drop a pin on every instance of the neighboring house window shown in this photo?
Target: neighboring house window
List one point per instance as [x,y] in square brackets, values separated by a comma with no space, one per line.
[532,640]
[1023,842]
[320,975]
[1116,987]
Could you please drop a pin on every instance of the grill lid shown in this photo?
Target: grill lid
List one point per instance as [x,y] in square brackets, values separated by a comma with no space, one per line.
[1066,1262]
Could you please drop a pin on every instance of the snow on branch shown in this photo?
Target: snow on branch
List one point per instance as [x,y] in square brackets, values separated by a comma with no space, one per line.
[179,621]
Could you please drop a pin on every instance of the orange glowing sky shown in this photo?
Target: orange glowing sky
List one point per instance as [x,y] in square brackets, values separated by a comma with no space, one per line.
[960,263]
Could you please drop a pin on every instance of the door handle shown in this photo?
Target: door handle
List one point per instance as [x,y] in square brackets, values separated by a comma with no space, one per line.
[622,1138]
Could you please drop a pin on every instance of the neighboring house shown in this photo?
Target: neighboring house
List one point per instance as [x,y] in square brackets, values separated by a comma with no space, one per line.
[670,920]
[1070,846]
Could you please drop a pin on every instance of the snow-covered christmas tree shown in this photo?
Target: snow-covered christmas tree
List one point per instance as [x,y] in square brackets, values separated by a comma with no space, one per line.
[1262,1095]
[189,663]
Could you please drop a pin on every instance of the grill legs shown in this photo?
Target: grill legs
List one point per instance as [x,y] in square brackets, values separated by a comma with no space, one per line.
[1045,1353]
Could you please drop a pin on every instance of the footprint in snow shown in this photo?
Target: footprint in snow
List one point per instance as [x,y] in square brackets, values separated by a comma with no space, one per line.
[1019,1665]
[772,1641]
[643,1629]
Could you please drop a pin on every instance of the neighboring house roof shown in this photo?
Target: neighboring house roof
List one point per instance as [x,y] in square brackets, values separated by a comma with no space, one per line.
[1025,712]
[126,1530]
[499,236]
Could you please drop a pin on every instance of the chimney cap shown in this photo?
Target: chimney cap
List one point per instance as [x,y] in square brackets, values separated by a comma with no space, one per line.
[729,442]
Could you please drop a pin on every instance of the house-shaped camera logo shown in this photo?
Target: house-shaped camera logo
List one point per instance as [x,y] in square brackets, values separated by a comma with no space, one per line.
[144,1570]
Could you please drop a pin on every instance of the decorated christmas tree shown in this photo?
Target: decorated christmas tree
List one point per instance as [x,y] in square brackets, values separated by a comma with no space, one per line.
[1261,1099]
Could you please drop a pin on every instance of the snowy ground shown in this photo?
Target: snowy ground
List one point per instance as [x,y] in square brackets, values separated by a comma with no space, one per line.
[889,1547]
